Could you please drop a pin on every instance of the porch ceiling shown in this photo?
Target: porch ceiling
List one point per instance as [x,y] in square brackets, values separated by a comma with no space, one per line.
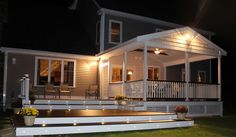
[169,40]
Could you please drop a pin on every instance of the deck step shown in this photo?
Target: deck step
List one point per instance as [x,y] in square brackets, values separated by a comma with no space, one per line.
[93,128]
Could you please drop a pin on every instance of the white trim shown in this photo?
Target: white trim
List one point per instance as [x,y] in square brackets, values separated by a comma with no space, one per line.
[47,53]
[102,32]
[151,20]
[145,72]
[53,130]
[110,30]
[49,59]
[5,79]
[49,69]
[192,59]
[201,71]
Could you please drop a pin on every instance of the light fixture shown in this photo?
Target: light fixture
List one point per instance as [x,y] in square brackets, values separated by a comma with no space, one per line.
[157,51]
[187,36]
[130,72]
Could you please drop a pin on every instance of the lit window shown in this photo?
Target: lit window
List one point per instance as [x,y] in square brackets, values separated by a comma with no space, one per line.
[68,72]
[115,32]
[55,71]
[153,73]
[117,74]
[42,73]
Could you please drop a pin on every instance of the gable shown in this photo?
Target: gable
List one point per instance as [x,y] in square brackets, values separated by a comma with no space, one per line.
[183,39]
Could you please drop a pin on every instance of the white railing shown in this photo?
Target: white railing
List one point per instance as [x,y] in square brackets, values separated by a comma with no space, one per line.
[134,89]
[173,90]
[202,90]
[165,89]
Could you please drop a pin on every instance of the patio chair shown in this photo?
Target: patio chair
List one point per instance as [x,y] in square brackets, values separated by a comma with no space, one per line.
[92,91]
[50,90]
[64,89]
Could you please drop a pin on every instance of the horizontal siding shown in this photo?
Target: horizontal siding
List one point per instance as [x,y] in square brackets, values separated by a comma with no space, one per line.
[86,74]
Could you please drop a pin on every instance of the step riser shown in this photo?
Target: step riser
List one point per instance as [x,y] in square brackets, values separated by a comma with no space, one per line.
[28,131]
[68,120]
[77,107]
[78,102]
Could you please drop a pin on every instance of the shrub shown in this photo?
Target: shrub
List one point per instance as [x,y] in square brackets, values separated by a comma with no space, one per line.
[181,109]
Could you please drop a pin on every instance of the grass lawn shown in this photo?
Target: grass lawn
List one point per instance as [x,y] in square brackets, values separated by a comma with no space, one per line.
[204,127]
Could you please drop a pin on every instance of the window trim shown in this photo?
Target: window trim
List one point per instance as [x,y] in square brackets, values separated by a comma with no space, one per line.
[109,31]
[200,71]
[49,70]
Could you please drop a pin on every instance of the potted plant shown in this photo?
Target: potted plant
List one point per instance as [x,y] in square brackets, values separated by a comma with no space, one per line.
[120,99]
[16,105]
[29,114]
[181,112]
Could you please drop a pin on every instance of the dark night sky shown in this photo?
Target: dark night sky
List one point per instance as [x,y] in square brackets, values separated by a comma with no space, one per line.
[39,24]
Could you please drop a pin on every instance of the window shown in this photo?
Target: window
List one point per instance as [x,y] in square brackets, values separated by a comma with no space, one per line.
[97,33]
[153,73]
[201,76]
[55,71]
[117,74]
[115,32]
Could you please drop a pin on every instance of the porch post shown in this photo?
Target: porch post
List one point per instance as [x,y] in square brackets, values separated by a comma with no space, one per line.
[124,73]
[187,70]
[145,72]
[219,78]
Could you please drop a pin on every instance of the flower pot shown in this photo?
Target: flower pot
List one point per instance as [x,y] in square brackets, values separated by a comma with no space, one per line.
[29,120]
[16,110]
[181,116]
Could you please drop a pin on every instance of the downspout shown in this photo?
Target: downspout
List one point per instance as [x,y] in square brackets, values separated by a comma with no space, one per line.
[102,29]
[5,80]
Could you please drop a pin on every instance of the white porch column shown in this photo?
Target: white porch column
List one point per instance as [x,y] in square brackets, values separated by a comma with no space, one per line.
[124,73]
[145,72]
[187,75]
[219,78]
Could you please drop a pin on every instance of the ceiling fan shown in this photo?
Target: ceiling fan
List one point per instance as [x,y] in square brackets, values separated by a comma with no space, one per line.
[155,51]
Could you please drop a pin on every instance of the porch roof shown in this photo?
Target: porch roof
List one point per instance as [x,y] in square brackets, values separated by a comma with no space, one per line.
[181,39]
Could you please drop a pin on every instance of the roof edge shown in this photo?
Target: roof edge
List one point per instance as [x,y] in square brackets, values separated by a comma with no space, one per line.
[46,53]
[148,19]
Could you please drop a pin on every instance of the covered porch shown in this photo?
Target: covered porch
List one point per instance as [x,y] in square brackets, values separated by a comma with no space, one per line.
[174,65]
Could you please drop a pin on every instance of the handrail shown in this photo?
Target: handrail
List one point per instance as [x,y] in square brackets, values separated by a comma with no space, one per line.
[133,81]
[167,81]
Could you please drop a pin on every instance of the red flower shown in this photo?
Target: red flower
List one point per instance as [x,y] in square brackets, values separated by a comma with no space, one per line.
[181,109]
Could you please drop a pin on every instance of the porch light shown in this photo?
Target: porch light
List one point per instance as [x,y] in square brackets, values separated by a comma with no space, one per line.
[130,72]
[157,51]
[187,36]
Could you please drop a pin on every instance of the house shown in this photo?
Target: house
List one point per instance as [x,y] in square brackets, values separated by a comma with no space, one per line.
[158,63]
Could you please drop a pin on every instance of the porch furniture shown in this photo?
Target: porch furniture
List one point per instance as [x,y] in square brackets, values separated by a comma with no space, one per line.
[92,91]
[50,90]
[64,89]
